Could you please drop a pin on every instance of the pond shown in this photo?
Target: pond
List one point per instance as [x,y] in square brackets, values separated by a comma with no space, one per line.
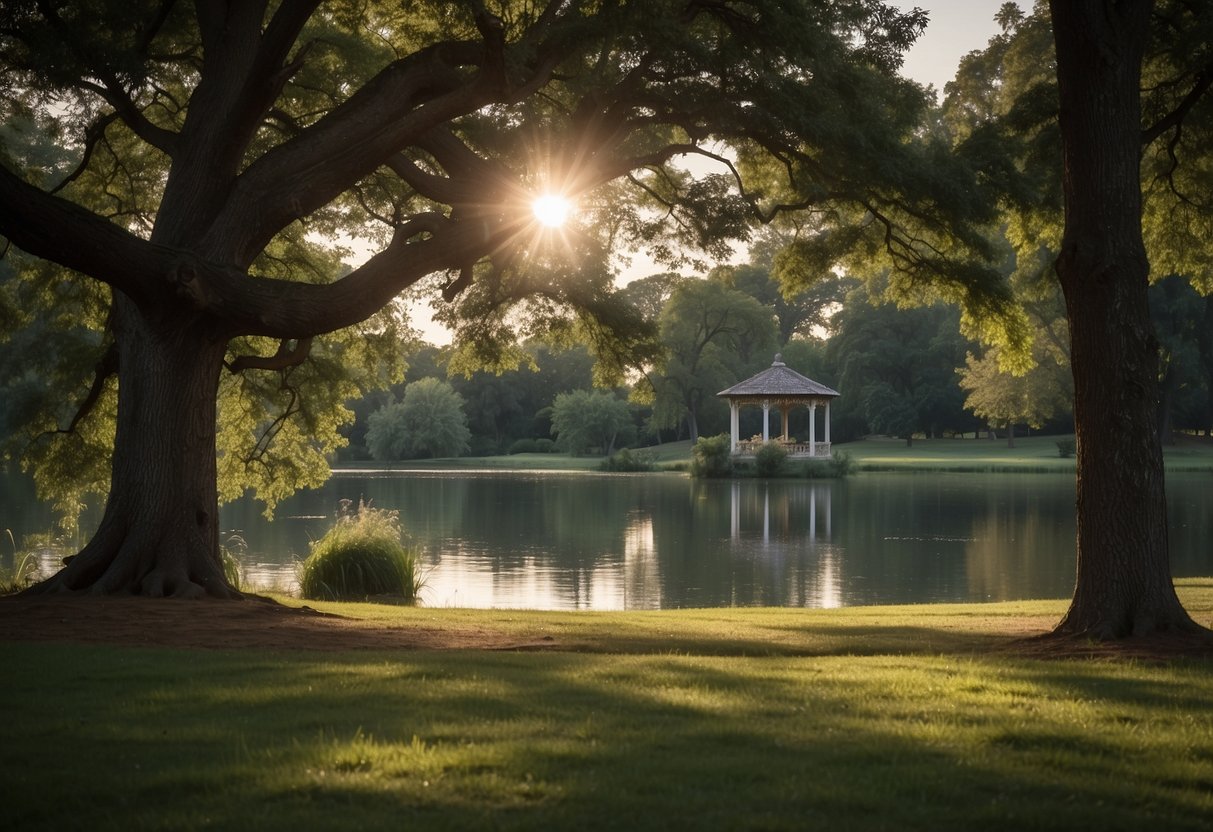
[550,540]
[583,541]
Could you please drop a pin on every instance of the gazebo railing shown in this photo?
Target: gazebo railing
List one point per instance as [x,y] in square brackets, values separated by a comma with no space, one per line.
[749,447]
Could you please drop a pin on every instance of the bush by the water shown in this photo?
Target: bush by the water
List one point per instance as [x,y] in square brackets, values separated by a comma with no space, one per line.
[1065,448]
[836,467]
[360,557]
[712,456]
[532,446]
[629,460]
[769,460]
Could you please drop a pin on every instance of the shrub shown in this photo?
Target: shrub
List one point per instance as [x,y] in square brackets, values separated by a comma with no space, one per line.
[523,446]
[627,460]
[532,446]
[838,466]
[359,557]
[712,456]
[769,460]
[1065,448]
[483,446]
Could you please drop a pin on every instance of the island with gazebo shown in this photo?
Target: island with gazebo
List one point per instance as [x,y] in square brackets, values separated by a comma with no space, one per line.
[781,388]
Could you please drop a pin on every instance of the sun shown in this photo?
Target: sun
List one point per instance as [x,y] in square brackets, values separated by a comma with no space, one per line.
[552,210]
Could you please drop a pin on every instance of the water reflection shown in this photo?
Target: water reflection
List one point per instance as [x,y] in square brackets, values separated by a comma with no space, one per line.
[576,541]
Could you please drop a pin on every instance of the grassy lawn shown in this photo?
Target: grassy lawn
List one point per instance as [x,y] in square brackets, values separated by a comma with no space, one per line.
[671,452]
[873,718]
[1030,454]
[1033,454]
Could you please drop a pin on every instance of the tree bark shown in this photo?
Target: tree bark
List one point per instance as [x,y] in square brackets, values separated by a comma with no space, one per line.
[159,535]
[1123,585]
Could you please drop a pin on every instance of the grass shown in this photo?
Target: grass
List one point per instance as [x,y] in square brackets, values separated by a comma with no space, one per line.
[1032,454]
[360,557]
[858,719]
[663,455]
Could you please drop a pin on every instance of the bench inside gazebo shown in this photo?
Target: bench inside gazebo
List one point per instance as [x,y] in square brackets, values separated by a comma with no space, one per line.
[781,388]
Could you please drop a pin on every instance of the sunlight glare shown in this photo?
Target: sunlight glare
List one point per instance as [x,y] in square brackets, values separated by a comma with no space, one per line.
[551,210]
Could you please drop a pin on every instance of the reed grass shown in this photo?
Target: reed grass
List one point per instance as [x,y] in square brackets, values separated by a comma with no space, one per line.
[360,557]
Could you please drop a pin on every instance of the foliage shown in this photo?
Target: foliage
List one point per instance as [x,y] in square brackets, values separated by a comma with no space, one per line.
[18,570]
[361,557]
[583,420]
[710,335]
[1006,398]
[232,549]
[428,422]
[770,459]
[839,466]
[897,367]
[1065,448]
[531,446]
[627,461]
[711,456]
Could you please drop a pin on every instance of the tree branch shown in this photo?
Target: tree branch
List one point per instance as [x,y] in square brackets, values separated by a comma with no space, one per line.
[289,354]
[1200,86]
[104,369]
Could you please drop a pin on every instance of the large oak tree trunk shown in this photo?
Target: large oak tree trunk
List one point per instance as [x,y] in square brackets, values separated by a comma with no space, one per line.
[159,534]
[1123,584]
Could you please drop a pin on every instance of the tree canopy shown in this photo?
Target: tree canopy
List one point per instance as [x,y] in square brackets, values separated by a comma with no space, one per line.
[174,175]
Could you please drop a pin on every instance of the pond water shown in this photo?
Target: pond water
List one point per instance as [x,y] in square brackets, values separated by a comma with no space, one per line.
[576,541]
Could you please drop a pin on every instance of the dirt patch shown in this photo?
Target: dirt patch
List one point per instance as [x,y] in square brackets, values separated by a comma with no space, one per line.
[225,625]
[261,623]
[1157,647]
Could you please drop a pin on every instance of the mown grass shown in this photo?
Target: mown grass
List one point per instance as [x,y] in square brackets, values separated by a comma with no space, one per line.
[1031,454]
[894,718]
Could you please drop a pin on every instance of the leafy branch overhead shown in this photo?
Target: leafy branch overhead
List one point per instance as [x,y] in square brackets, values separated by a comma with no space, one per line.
[206,170]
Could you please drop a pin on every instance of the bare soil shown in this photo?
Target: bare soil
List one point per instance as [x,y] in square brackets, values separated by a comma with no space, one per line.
[261,623]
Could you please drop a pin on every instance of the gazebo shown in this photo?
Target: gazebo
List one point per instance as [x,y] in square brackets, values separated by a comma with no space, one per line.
[782,388]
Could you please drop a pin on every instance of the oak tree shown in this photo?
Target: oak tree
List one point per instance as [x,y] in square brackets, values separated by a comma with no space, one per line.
[207,153]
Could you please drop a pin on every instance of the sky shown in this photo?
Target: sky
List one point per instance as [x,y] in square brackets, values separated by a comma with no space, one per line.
[955,28]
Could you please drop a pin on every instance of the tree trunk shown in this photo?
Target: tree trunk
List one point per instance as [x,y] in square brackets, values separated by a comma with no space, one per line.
[1123,585]
[692,424]
[159,535]
[1010,435]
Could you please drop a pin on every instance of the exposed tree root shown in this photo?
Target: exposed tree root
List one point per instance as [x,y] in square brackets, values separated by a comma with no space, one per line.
[143,564]
[1157,645]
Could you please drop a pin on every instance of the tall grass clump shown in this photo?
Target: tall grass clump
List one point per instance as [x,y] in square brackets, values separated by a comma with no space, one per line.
[231,550]
[360,557]
[17,571]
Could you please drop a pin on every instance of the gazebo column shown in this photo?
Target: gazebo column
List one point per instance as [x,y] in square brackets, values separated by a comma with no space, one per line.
[734,423]
[828,423]
[783,411]
[812,430]
[766,421]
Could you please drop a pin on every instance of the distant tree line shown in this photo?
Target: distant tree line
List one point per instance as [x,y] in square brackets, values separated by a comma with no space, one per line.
[901,372]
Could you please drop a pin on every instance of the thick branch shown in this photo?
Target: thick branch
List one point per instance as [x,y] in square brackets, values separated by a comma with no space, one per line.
[289,354]
[39,223]
[1202,84]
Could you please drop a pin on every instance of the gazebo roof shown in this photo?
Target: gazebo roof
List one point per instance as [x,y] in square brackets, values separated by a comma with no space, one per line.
[777,381]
